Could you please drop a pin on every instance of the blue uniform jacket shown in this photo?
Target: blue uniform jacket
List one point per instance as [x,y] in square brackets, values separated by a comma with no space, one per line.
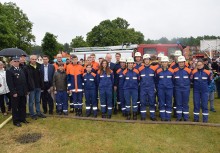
[90,81]
[131,79]
[164,78]
[147,77]
[104,80]
[182,78]
[201,80]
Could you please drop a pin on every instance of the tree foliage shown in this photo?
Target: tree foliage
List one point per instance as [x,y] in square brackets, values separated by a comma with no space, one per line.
[15,28]
[78,41]
[50,45]
[115,32]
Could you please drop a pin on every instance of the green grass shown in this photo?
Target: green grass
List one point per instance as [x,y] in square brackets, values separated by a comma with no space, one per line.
[72,135]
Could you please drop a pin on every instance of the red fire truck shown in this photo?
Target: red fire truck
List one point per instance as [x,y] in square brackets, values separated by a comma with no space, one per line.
[154,49]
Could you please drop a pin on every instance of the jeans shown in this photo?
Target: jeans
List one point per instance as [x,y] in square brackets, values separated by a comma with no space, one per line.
[34,95]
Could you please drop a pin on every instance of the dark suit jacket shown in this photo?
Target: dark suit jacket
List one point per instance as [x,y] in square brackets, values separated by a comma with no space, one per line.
[16,81]
[51,71]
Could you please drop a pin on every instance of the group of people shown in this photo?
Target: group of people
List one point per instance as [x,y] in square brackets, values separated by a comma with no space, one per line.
[129,86]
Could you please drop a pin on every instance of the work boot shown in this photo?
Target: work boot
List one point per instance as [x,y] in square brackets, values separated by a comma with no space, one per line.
[143,118]
[128,114]
[119,107]
[153,119]
[80,113]
[134,115]
[109,116]
[103,115]
[77,111]
[115,111]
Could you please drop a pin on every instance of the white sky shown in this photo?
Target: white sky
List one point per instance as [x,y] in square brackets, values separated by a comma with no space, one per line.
[154,18]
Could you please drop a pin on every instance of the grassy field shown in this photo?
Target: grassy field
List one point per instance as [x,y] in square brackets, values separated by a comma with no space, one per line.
[72,135]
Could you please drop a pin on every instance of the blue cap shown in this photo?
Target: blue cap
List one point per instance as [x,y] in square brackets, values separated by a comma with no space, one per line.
[15,58]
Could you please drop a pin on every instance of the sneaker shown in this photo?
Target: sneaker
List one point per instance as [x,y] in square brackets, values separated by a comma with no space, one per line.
[41,115]
[34,117]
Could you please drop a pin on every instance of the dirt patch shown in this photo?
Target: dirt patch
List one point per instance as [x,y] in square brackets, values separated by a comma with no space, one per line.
[28,138]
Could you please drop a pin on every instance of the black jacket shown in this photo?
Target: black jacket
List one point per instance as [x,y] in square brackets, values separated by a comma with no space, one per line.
[35,78]
[16,81]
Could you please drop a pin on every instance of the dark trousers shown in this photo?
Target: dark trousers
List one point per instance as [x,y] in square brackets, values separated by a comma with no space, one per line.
[46,98]
[2,103]
[18,108]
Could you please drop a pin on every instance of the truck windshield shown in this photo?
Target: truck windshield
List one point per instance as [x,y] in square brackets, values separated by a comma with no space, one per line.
[150,51]
[171,50]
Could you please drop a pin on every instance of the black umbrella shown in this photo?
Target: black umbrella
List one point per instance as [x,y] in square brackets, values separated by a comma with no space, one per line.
[9,52]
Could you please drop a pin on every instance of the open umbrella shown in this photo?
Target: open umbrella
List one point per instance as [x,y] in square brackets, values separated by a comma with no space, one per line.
[9,52]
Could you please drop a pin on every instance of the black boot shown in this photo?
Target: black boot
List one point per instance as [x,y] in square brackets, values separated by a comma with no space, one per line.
[80,113]
[109,117]
[134,115]
[77,111]
[103,115]
[128,114]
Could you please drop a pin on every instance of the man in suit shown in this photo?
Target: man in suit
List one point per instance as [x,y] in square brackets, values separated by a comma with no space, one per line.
[48,71]
[17,84]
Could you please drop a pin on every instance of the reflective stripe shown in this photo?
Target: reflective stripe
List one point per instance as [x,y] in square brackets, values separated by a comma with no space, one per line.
[174,107]
[83,84]
[185,112]
[123,109]
[127,78]
[143,111]
[119,102]
[94,108]
[109,107]
[71,104]
[80,104]
[169,76]
[135,106]
[65,111]
[75,104]
[142,75]
[162,111]
[85,79]
[88,107]
[135,78]
[120,76]
[101,76]
[161,77]
[69,84]
[177,77]
[79,90]
[128,106]
[152,111]
[180,112]
[205,113]
[204,78]
[103,105]
[196,78]
[196,113]
[185,77]
[91,79]
[108,75]
[138,102]
[151,74]
[168,112]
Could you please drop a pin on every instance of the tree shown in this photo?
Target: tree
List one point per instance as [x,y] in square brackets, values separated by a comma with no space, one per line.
[50,45]
[67,48]
[15,28]
[78,41]
[115,32]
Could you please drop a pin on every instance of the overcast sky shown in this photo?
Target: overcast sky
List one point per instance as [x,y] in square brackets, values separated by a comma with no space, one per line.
[154,18]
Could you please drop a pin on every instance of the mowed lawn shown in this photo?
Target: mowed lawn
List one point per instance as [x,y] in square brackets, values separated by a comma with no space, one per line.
[73,135]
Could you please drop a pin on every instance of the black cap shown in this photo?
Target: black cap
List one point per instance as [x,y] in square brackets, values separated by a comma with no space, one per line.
[15,58]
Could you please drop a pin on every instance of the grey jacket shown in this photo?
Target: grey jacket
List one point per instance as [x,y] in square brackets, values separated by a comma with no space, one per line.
[60,81]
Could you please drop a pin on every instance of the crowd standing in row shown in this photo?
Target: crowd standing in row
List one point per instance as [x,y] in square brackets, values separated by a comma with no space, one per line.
[134,83]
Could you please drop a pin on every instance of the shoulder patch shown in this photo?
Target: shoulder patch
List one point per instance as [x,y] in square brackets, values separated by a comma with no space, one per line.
[125,71]
[194,71]
[118,71]
[141,68]
[171,70]
[93,74]
[159,70]
[207,71]
[187,70]
[136,71]
[176,69]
